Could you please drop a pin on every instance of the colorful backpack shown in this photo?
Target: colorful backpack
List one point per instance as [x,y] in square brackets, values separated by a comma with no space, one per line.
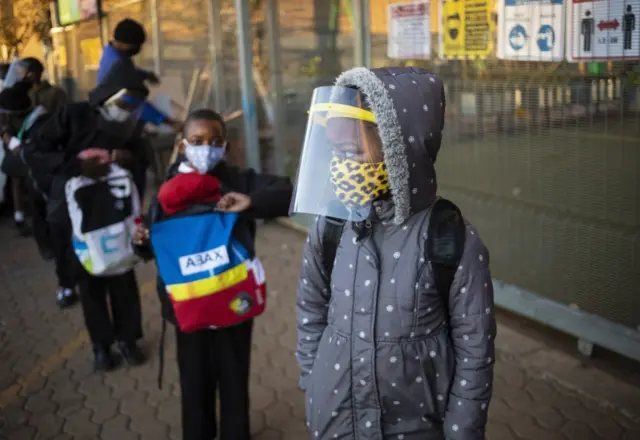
[102,214]
[210,278]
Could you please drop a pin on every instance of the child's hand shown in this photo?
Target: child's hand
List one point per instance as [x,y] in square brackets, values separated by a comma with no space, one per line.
[122,157]
[101,154]
[141,235]
[94,168]
[234,202]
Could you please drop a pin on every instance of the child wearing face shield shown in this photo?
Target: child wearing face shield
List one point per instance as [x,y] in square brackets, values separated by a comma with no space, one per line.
[15,106]
[395,310]
[84,139]
[211,360]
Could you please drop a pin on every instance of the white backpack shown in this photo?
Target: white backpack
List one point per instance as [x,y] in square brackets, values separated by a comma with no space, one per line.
[103,214]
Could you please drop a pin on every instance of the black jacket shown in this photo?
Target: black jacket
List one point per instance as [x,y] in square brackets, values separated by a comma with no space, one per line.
[76,127]
[28,143]
[52,156]
[270,198]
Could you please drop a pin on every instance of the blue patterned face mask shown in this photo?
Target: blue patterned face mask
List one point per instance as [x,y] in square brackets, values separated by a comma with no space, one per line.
[204,158]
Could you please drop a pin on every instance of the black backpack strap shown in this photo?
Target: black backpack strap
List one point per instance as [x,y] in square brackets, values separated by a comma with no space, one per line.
[330,239]
[445,244]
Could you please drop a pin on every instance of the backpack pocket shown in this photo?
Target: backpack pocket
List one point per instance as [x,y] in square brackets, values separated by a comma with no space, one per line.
[107,250]
[102,214]
[210,278]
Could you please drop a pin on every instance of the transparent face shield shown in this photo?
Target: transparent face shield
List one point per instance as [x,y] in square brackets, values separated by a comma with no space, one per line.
[124,106]
[120,114]
[14,74]
[341,170]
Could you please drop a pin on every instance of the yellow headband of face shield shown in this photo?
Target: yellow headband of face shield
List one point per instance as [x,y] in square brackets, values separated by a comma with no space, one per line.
[340,111]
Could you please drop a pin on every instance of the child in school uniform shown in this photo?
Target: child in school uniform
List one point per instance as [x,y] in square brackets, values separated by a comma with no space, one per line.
[211,359]
[81,161]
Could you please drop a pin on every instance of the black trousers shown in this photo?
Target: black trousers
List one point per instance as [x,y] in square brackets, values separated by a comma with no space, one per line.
[125,323]
[39,223]
[211,361]
[67,266]
[139,174]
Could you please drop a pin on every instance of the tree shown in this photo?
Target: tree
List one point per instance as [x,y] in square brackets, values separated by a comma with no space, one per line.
[22,20]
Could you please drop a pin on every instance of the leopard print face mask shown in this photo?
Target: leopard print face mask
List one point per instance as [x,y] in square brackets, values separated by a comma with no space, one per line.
[357,184]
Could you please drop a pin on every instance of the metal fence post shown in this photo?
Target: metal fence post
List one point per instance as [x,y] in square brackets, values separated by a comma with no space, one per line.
[361,33]
[277,89]
[156,36]
[214,23]
[245,51]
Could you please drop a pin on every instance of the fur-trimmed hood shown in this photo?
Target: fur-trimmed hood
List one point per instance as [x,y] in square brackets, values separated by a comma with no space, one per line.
[409,105]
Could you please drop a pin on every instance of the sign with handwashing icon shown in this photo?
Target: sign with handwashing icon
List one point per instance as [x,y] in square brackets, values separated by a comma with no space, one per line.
[531,30]
[517,37]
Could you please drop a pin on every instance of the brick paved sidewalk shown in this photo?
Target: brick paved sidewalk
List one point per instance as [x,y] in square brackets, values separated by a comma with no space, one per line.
[48,390]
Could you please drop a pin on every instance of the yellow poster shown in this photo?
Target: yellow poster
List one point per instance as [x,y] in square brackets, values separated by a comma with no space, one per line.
[91,52]
[467,28]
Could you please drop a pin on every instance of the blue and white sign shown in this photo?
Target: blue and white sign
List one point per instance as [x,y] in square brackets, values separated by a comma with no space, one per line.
[602,30]
[531,30]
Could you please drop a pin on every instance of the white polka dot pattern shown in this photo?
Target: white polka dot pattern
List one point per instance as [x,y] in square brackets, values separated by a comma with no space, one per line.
[385,334]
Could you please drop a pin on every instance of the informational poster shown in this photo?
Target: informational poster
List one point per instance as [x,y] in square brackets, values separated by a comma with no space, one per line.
[75,11]
[599,30]
[531,30]
[467,28]
[409,34]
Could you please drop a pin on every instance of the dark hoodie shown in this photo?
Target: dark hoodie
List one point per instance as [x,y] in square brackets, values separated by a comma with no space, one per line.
[79,126]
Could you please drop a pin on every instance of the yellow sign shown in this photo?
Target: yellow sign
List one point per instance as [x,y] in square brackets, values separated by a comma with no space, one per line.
[91,49]
[467,28]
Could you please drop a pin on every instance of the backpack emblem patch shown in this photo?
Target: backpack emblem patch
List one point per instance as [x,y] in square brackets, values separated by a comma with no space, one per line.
[241,304]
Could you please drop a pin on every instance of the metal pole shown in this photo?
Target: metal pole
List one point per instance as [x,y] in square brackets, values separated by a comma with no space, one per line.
[104,29]
[156,36]
[252,145]
[215,49]
[362,33]
[100,26]
[277,89]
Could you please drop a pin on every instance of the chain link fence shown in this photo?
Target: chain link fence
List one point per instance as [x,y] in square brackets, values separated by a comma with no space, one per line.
[543,156]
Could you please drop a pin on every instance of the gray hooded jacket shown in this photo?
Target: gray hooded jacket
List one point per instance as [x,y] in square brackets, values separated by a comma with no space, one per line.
[380,356]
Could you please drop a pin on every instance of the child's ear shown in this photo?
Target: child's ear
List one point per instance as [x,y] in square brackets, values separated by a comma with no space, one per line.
[180,146]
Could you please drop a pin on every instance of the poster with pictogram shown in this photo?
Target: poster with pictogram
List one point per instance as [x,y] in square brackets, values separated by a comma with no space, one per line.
[531,30]
[409,33]
[466,28]
[602,30]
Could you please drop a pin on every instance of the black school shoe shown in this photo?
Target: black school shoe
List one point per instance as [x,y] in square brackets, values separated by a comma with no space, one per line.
[23,229]
[66,297]
[104,359]
[131,353]
[46,253]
